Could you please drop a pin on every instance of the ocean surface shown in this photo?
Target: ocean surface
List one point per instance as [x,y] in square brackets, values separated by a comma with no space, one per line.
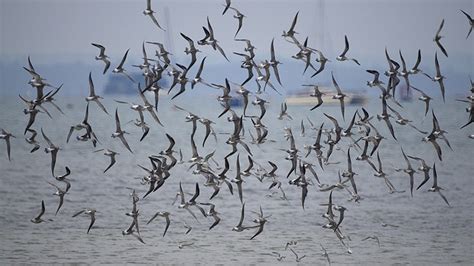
[427,231]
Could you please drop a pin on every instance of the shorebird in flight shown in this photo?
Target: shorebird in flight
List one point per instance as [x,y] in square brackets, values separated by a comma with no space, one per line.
[343,57]
[119,133]
[111,154]
[435,187]
[102,56]
[94,97]
[438,77]
[38,219]
[6,136]
[471,23]
[437,39]
[119,69]
[165,215]
[149,12]
[91,213]
[60,193]
[291,32]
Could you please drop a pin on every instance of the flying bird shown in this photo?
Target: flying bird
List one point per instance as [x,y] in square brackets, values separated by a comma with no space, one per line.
[166,215]
[119,69]
[94,97]
[438,77]
[343,57]
[6,136]
[111,154]
[119,133]
[91,213]
[149,12]
[240,17]
[102,56]
[435,187]
[471,23]
[291,32]
[38,219]
[53,149]
[437,39]
[339,95]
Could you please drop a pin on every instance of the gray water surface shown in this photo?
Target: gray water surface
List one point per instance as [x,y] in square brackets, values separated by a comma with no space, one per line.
[429,232]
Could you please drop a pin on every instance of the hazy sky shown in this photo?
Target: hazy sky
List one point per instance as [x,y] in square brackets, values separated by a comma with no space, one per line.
[66,28]
[53,31]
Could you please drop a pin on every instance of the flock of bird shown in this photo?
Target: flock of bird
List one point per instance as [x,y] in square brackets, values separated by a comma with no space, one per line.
[366,140]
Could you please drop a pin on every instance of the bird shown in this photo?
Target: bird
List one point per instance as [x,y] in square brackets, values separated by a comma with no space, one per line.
[119,69]
[339,95]
[415,69]
[212,212]
[435,133]
[298,258]
[261,220]
[438,77]
[283,112]
[53,149]
[239,227]
[93,96]
[424,168]
[471,23]
[438,37]
[31,140]
[325,254]
[131,231]
[226,6]
[375,81]
[6,136]
[91,213]
[184,244]
[317,94]
[291,32]
[209,39]
[380,173]
[111,154]
[372,237]
[245,96]
[409,171]
[83,125]
[31,111]
[190,50]
[38,219]
[274,62]
[404,72]
[119,133]
[386,117]
[60,193]
[238,179]
[350,175]
[184,204]
[148,107]
[149,12]
[188,228]
[435,187]
[278,256]
[403,121]
[322,60]
[341,210]
[166,215]
[342,57]
[424,98]
[102,56]
[197,78]
[240,17]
